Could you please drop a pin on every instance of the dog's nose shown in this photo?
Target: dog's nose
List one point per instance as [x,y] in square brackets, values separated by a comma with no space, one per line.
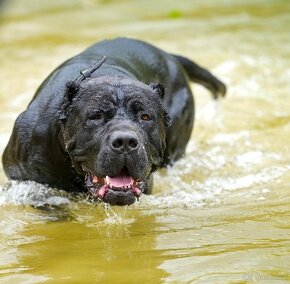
[124,141]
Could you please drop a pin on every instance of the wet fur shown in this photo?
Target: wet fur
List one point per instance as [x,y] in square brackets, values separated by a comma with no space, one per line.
[52,140]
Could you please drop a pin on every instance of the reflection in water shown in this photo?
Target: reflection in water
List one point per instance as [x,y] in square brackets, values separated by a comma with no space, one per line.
[85,245]
[221,214]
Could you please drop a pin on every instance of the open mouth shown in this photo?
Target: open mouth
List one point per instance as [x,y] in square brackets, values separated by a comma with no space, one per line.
[121,189]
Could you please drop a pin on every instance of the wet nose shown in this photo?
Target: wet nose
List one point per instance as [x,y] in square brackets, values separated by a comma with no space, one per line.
[124,141]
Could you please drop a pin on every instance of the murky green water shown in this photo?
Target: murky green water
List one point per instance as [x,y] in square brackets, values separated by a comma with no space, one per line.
[221,214]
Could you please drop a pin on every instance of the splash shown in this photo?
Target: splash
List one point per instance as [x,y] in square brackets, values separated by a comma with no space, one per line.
[117,217]
[32,193]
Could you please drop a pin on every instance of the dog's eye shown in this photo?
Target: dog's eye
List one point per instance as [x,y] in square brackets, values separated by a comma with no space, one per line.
[96,116]
[145,117]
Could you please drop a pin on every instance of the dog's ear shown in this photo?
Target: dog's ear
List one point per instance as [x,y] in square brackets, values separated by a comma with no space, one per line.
[71,89]
[158,89]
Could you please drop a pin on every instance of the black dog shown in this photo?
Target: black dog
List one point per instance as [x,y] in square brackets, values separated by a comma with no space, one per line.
[109,128]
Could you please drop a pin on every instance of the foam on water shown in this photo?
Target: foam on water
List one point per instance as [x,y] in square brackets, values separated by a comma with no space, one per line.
[38,195]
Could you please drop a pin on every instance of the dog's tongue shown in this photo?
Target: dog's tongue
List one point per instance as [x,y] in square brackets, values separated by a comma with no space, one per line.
[120,180]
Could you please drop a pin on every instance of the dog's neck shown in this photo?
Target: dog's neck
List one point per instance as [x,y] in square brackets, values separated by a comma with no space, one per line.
[107,69]
[87,73]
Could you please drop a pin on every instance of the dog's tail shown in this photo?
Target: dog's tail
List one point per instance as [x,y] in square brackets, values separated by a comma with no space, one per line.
[202,76]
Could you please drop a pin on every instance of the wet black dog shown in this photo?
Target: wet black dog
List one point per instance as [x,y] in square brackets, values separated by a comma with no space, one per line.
[109,128]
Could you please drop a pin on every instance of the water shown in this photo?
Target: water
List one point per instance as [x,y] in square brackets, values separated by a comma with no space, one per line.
[221,214]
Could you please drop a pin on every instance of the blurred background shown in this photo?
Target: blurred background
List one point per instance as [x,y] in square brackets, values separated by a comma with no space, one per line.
[221,214]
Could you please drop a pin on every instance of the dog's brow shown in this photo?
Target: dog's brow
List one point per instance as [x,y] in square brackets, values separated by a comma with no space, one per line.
[137,104]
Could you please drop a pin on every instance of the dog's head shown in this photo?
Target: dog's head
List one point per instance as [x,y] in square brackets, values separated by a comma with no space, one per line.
[114,131]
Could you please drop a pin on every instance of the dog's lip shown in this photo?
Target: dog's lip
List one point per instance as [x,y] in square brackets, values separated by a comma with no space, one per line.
[120,185]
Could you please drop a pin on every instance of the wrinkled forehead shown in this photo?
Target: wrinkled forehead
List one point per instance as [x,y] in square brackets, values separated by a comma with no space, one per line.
[116,86]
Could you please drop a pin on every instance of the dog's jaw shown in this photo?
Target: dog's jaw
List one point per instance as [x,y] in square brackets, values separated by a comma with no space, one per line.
[118,190]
